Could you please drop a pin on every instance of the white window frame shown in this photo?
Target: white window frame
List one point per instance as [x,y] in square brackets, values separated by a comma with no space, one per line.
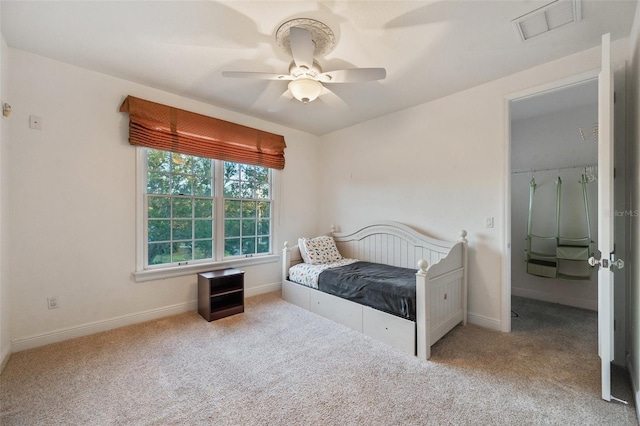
[159,272]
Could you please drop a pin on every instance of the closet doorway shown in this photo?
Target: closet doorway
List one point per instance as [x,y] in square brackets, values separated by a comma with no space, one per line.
[554,195]
[553,155]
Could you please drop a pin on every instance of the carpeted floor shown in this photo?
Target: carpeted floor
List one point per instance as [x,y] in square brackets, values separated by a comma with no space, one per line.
[277,364]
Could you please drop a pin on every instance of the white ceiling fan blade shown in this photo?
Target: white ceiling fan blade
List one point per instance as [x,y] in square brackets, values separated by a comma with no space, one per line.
[354,75]
[256,75]
[330,98]
[302,47]
[281,101]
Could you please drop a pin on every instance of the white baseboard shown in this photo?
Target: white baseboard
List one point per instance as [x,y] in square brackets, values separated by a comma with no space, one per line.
[4,359]
[55,336]
[634,386]
[267,288]
[482,321]
[591,305]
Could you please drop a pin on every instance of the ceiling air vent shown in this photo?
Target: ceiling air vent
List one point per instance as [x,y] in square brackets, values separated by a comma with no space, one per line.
[547,18]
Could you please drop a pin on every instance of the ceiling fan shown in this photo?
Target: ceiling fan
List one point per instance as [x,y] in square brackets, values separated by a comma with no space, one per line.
[305,39]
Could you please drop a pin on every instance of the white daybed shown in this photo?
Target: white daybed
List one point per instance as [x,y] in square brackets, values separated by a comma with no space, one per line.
[441,285]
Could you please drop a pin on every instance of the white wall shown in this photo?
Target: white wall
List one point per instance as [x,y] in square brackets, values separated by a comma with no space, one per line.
[633,109]
[548,141]
[439,167]
[72,204]
[552,140]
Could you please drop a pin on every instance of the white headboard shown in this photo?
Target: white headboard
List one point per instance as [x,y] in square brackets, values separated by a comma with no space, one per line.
[395,244]
[392,243]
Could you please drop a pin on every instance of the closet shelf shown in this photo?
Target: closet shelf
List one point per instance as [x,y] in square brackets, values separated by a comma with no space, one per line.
[571,253]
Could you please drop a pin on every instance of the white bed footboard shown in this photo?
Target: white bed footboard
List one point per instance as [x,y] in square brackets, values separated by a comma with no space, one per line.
[441,285]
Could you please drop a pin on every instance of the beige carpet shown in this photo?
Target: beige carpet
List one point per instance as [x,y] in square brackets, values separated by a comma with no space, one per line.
[277,364]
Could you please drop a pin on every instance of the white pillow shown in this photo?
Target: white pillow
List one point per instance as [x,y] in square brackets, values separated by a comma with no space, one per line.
[320,250]
[303,250]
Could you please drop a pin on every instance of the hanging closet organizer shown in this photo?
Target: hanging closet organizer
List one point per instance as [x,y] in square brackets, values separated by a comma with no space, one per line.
[567,249]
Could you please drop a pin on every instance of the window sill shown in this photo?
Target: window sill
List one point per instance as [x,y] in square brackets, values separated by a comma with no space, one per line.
[178,271]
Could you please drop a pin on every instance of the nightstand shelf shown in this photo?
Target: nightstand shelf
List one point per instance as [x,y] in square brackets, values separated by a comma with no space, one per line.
[220,293]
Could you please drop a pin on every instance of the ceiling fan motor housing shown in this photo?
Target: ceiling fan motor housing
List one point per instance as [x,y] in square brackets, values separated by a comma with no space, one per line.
[303,71]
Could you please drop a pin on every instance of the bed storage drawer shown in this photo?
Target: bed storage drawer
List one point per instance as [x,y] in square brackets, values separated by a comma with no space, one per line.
[390,329]
[339,310]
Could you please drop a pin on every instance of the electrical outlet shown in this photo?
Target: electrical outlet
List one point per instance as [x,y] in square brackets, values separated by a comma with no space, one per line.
[35,122]
[53,302]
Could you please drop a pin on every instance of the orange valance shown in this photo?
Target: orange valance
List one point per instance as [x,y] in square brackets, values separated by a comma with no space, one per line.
[163,127]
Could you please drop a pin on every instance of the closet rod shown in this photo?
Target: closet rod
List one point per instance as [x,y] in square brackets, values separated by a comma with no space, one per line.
[578,166]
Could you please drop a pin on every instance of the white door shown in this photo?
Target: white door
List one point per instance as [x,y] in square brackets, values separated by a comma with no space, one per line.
[605,216]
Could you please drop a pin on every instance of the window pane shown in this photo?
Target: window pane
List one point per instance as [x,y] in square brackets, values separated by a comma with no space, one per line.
[263,226]
[248,245]
[159,207]
[202,166]
[263,245]
[182,229]
[202,250]
[159,253]
[246,189]
[231,171]
[203,208]
[181,252]
[248,227]
[182,208]
[232,189]
[264,209]
[157,183]
[158,230]
[232,247]
[181,184]
[247,172]
[181,163]
[203,229]
[202,185]
[262,191]
[262,175]
[231,228]
[248,209]
[157,161]
[231,208]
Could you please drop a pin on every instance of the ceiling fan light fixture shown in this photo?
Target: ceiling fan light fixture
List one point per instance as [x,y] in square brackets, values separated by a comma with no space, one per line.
[305,89]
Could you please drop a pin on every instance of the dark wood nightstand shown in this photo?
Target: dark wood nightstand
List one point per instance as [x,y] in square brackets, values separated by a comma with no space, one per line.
[220,293]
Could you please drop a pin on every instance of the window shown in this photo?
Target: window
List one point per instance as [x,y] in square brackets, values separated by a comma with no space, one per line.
[247,209]
[198,210]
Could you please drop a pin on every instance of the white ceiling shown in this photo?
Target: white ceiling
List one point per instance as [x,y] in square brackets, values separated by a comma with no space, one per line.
[430,49]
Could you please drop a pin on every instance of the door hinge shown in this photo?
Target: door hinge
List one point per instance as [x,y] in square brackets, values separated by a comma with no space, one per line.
[618,263]
[614,97]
